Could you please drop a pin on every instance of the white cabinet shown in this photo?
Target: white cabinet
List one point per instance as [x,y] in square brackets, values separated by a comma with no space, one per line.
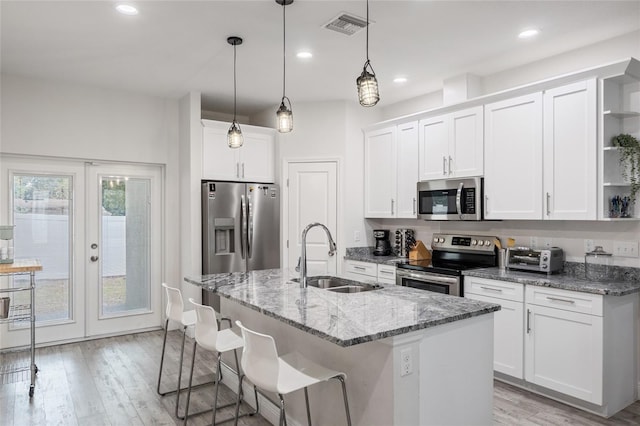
[391,171]
[564,342]
[451,145]
[570,152]
[508,322]
[367,271]
[513,158]
[253,162]
[620,114]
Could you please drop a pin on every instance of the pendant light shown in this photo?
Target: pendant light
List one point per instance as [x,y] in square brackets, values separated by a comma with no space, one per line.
[368,94]
[234,135]
[284,115]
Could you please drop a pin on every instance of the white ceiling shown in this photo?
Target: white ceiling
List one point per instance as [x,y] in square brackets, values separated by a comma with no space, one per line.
[173,47]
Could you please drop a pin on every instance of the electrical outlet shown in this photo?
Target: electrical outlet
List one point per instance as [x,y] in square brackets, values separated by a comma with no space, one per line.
[356,236]
[533,242]
[625,248]
[588,246]
[406,362]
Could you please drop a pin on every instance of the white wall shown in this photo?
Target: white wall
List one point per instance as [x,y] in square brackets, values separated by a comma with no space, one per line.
[62,119]
[569,235]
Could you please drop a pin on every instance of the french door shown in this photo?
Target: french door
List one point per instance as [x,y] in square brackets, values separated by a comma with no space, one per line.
[96,229]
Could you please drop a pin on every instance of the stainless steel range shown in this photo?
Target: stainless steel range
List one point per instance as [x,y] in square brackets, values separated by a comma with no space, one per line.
[451,254]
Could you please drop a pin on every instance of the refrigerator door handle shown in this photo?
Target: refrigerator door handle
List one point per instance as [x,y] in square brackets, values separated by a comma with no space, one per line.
[242,225]
[249,228]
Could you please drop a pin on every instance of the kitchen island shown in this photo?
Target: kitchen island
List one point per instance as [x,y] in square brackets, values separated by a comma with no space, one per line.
[411,357]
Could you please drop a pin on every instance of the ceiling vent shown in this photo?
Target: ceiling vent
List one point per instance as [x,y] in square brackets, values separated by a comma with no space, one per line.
[346,24]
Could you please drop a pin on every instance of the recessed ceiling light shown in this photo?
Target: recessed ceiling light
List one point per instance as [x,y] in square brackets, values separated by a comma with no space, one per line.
[304,55]
[528,33]
[400,80]
[126,9]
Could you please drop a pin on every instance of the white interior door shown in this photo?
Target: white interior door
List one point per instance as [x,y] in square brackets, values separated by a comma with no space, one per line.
[312,197]
[124,246]
[44,200]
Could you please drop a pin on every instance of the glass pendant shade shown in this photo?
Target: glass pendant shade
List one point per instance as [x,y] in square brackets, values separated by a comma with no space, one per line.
[368,94]
[285,118]
[234,136]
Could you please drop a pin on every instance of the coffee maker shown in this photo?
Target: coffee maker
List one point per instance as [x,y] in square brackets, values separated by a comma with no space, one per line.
[383,246]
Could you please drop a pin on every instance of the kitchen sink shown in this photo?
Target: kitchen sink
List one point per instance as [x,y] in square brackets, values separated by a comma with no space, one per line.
[338,285]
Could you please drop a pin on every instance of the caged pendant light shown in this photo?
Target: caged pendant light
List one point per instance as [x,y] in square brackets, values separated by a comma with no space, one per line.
[368,94]
[234,135]
[284,115]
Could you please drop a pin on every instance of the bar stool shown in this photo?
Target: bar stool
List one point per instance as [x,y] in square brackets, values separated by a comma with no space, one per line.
[209,337]
[282,375]
[175,312]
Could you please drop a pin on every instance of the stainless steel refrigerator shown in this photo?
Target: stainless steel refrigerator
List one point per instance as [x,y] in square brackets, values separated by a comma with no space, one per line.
[240,228]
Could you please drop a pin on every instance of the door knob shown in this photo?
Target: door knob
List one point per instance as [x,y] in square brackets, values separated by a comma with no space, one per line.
[94,258]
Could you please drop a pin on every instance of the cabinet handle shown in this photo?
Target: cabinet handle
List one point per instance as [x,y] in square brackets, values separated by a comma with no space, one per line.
[360,268]
[387,272]
[528,321]
[444,165]
[558,299]
[486,205]
[237,170]
[392,202]
[499,290]
[242,170]
[548,204]
[450,160]
[414,206]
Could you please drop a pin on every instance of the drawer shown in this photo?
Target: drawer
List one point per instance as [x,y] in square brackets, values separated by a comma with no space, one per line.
[362,268]
[387,274]
[505,290]
[567,300]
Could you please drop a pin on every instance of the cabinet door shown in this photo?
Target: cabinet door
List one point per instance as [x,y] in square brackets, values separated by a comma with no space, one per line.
[508,334]
[513,158]
[466,143]
[570,147]
[380,173]
[219,162]
[387,274]
[407,170]
[434,148]
[257,157]
[563,352]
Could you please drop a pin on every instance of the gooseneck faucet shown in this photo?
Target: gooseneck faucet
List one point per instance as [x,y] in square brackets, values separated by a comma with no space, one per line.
[303,250]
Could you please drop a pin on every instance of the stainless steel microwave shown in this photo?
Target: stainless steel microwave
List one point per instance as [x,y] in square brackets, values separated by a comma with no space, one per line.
[451,199]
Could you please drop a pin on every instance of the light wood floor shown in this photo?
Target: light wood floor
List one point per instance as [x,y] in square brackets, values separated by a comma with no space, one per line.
[113,382]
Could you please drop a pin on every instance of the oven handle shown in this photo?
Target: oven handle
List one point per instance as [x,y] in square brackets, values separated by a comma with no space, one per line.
[459,199]
[439,279]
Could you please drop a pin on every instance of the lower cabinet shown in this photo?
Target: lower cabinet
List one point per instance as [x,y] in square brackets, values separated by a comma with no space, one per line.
[580,345]
[367,271]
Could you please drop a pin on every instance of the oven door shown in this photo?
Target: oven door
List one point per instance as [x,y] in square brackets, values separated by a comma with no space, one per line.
[445,284]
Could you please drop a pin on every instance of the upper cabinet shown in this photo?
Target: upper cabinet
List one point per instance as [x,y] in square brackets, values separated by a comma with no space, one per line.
[570,152]
[513,158]
[451,145]
[620,114]
[253,162]
[391,171]
[540,153]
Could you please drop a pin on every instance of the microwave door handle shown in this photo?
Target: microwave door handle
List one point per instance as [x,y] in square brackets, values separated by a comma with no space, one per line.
[459,200]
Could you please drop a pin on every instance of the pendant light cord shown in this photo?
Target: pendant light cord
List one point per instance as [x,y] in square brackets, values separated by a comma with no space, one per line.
[284,49]
[234,82]
[367,30]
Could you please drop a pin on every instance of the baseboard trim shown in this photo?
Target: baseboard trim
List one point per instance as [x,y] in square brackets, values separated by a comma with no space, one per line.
[268,410]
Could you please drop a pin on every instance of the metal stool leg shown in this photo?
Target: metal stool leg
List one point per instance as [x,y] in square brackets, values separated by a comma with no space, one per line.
[215,395]
[283,414]
[186,409]
[184,336]
[306,400]
[344,395]
[164,345]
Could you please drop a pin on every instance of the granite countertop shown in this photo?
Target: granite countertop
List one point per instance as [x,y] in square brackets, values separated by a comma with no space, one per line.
[344,319]
[560,281]
[365,254]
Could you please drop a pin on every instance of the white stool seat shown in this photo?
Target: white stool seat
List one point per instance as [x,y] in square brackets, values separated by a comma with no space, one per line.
[188,318]
[226,340]
[296,372]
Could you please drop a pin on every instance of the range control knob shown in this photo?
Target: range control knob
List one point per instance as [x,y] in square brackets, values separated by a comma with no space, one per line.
[442,239]
[435,239]
[487,243]
[474,242]
[480,243]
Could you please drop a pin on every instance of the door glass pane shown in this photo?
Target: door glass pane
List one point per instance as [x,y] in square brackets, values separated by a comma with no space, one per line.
[125,265]
[42,215]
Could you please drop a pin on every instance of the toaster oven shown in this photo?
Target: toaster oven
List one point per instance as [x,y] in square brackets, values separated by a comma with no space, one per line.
[549,260]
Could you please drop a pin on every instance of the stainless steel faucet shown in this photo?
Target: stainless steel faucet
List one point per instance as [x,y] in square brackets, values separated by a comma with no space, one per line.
[303,251]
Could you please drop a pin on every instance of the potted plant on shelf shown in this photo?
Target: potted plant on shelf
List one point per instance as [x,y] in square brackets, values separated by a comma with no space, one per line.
[629,149]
